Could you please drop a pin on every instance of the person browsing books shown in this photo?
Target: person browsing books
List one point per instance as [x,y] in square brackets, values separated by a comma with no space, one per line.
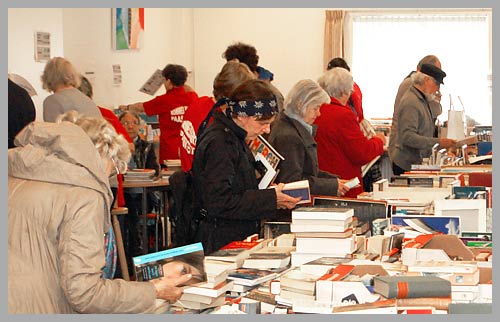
[62,79]
[224,169]
[170,108]
[415,128]
[231,75]
[293,136]
[59,212]
[342,146]
[143,157]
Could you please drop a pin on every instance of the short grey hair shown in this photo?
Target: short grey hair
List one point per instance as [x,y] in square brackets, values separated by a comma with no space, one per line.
[59,71]
[336,82]
[108,143]
[304,94]
[418,78]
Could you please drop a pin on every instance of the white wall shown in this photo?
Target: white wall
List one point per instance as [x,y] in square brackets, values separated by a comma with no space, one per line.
[22,25]
[83,35]
[288,41]
[87,44]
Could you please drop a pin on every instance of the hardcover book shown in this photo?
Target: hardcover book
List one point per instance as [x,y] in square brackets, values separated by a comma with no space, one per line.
[188,259]
[401,286]
[298,189]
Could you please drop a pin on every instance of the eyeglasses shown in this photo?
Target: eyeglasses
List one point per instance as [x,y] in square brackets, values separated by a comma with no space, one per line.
[126,123]
[114,171]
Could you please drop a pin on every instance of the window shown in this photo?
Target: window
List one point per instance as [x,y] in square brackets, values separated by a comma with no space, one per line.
[386,48]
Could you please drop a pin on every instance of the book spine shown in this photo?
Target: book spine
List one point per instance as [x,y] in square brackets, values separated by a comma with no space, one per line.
[415,289]
[439,303]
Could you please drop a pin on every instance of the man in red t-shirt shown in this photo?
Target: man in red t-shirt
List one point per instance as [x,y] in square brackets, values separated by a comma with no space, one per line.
[170,108]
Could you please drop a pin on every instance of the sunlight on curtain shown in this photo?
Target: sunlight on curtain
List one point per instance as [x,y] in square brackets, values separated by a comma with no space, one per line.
[387,48]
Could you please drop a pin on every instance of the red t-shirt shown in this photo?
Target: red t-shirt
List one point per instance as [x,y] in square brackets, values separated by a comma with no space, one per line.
[109,116]
[170,108]
[342,147]
[194,115]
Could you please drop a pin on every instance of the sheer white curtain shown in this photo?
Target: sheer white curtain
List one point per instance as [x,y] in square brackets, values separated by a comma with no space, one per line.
[386,48]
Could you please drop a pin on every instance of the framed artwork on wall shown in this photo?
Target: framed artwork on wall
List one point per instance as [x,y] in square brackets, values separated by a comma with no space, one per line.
[127,28]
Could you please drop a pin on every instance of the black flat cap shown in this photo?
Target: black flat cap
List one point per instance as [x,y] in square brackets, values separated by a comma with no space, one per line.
[434,72]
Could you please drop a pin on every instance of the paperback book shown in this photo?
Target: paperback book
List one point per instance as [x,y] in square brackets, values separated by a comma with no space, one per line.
[187,259]
[324,213]
[236,251]
[262,146]
[251,276]
[154,82]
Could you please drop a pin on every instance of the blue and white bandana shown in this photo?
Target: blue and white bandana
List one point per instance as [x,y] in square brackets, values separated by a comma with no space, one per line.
[259,108]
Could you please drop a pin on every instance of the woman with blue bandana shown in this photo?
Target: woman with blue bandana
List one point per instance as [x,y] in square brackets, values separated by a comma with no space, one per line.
[224,169]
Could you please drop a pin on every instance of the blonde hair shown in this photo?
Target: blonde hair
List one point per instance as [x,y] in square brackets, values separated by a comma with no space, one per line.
[59,71]
[108,143]
[232,74]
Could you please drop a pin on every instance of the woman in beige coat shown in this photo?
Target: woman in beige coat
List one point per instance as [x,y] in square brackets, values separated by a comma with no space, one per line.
[59,201]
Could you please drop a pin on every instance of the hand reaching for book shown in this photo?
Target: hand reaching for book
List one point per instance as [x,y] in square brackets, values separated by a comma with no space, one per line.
[170,288]
[284,201]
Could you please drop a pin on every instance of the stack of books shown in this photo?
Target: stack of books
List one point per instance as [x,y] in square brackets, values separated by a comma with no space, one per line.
[269,257]
[236,252]
[140,175]
[204,295]
[296,284]
[322,232]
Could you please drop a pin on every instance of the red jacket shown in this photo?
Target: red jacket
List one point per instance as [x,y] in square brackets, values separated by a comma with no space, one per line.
[342,147]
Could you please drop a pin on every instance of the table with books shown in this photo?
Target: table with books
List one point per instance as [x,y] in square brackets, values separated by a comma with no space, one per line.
[327,265]
[145,180]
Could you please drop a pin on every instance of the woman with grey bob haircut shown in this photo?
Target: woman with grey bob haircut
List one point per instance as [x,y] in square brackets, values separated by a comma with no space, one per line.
[337,82]
[305,94]
[62,79]
[59,212]
[292,135]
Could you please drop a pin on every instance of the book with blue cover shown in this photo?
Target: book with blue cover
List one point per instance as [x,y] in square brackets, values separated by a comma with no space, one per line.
[185,260]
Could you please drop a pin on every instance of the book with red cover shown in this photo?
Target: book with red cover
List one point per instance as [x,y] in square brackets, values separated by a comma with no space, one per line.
[338,273]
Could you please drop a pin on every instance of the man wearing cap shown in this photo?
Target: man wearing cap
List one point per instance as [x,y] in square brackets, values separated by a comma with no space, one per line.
[435,105]
[415,130]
